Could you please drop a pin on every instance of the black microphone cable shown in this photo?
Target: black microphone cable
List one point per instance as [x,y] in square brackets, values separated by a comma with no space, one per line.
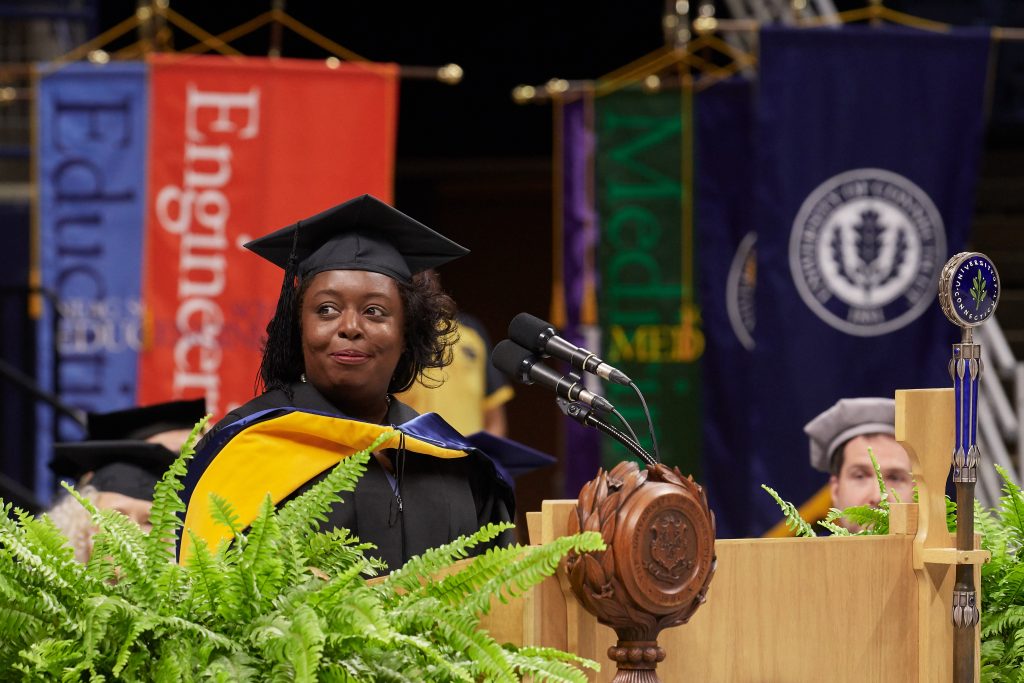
[575,377]
[584,414]
[650,423]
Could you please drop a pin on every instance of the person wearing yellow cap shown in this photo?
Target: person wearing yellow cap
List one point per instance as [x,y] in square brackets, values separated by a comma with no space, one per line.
[470,394]
[359,319]
[839,441]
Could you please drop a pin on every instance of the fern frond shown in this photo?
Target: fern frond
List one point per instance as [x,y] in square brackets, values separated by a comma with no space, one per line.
[794,522]
[20,622]
[171,658]
[1011,504]
[550,665]
[410,576]
[223,512]
[883,500]
[305,644]
[120,541]
[553,654]
[447,669]
[28,554]
[530,566]
[992,649]
[986,524]
[236,667]
[207,576]
[373,666]
[304,514]
[213,638]
[259,556]
[25,602]
[830,523]
[1012,619]
[50,659]
[353,608]
[336,551]
[874,521]
[101,618]
[1012,585]
[136,627]
[456,630]
[294,564]
[168,510]
[41,534]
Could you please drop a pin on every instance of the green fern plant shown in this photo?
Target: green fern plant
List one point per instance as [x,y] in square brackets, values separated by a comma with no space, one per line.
[1002,585]
[281,601]
[872,520]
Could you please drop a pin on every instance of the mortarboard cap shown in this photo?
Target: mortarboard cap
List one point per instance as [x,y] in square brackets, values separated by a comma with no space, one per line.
[116,450]
[362,234]
[145,421]
[848,418]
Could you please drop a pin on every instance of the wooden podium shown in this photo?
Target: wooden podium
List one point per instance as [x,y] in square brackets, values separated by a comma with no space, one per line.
[840,609]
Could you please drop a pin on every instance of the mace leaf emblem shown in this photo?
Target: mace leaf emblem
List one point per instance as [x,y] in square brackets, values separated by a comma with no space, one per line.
[978,290]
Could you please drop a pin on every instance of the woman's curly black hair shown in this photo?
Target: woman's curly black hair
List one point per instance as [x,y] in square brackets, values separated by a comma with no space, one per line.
[430,332]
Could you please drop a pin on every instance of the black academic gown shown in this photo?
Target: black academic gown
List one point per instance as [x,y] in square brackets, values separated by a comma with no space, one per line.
[428,502]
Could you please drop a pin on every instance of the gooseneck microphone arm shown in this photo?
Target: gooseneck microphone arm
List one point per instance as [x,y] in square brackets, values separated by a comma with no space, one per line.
[584,414]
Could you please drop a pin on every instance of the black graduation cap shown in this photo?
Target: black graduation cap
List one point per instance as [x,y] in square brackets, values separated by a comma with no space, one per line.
[116,451]
[362,234]
[142,422]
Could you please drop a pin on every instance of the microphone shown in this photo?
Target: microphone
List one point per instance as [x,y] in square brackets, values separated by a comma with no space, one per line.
[526,367]
[539,336]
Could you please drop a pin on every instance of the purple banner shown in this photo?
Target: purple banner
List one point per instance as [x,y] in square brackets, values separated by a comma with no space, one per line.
[579,272]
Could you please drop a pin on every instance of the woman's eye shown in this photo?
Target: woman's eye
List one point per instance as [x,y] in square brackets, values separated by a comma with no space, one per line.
[374,310]
[324,309]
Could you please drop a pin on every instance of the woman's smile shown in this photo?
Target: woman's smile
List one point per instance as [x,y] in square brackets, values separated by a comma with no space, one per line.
[350,357]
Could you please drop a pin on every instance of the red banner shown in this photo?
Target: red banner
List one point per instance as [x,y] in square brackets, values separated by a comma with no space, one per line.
[240,147]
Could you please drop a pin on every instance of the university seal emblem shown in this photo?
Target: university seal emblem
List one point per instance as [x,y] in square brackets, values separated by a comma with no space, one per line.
[865,252]
[740,287]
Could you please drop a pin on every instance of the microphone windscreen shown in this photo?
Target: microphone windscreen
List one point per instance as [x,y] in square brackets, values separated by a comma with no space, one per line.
[509,357]
[527,330]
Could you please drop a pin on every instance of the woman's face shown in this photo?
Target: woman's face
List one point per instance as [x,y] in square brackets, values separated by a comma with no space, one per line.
[353,326]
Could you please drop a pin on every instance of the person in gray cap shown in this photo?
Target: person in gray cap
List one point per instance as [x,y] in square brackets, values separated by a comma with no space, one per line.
[840,438]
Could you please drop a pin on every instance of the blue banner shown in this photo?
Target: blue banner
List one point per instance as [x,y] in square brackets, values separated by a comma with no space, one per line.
[726,235]
[91,177]
[869,140]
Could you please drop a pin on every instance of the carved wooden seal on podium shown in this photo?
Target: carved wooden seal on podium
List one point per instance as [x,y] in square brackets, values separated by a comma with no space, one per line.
[660,559]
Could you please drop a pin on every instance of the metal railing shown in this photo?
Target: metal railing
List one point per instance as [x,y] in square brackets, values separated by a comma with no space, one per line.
[1000,413]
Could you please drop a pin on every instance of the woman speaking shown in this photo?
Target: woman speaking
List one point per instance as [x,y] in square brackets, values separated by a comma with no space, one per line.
[358,319]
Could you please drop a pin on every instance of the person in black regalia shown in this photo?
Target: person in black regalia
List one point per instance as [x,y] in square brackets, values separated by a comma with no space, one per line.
[359,318]
[117,465]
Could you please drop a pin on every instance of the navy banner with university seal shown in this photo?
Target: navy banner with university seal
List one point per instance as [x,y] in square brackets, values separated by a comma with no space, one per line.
[869,141]
[726,233]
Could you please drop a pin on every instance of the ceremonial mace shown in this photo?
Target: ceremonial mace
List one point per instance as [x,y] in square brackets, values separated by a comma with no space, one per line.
[968,293]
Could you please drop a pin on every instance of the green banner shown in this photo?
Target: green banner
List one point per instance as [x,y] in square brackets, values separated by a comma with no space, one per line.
[649,319]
